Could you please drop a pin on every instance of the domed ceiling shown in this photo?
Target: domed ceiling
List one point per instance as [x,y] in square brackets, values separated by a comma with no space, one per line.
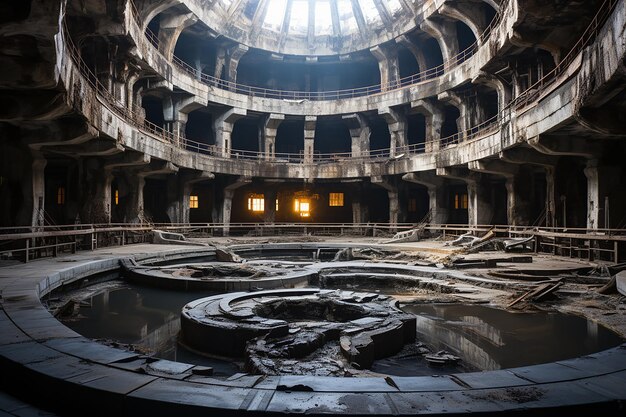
[311,27]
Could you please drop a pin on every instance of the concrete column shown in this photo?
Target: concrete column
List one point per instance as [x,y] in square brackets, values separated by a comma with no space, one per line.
[270,129]
[101,206]
[359,134]
[103,193]
[137,180]
[396,121]
[523,156]
[309,138]
[135,205]
[601,180]
[269,214]
[518,196]
[437,198]
[434,120]
[479,210]
[550,196]
[220,63]
[38,189]
[396,212]
[233,56]
[227,203]
[387,57]
[223,126]
[172,25]
[179,190]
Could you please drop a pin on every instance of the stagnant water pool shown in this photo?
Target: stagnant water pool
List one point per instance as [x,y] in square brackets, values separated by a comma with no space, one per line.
[484,338]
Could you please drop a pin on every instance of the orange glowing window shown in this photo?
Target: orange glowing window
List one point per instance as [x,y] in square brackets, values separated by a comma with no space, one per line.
[117,197]
[256,203]
[335,199]
[61,196]
[194,203]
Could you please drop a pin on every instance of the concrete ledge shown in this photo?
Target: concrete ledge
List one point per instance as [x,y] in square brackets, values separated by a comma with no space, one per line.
[41,357]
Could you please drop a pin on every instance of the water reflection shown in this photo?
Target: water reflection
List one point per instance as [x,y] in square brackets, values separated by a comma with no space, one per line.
[488,338]
[147,318]
[485,338]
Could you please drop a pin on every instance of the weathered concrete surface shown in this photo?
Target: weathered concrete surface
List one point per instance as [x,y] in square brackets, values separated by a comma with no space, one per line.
[40,355]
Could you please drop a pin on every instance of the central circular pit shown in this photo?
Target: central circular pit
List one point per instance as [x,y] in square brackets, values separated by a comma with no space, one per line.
[300,331]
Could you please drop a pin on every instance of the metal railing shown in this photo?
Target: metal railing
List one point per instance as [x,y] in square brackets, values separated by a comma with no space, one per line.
[27,243]
[134,115]
[414,79]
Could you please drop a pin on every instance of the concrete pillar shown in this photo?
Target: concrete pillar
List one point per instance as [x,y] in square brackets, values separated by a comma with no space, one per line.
[397,213]
[479,210]
[270,129]
[434,120]
[309,138]
[233,55]
[38,189]
[396,122]
[359,134]
[223,216]
[269,214]
[518,192]
[172,25]
[524,156]
[179,190]
[601,180]
[223,126]
[220,63]
[387,57]
[437,198]
[137,180]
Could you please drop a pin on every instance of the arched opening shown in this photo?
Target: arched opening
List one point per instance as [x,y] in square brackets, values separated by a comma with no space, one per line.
[198,127]
[245,136]
[571,193]
[332,136]
[407,63]
[458,203]
[153,107]
[432,55]
[380,138]
[416,131]
[201,203]
[290,137]
[449,128]
[464,35]
[155,200]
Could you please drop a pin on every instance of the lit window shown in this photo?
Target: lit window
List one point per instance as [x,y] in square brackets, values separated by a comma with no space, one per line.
[412,205]
[276,204]
[456,201]
[335,199]
[117,197]
[194,202]
[256,203]
[302,207]
[465,201]
[61,196]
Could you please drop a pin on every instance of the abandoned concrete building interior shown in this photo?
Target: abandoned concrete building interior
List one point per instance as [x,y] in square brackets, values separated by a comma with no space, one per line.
[269,207]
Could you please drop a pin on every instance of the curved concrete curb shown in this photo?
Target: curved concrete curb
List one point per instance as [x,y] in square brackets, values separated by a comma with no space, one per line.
[53,365]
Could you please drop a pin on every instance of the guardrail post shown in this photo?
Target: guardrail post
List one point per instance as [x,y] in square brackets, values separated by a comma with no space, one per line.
[27,250]
[55,250]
